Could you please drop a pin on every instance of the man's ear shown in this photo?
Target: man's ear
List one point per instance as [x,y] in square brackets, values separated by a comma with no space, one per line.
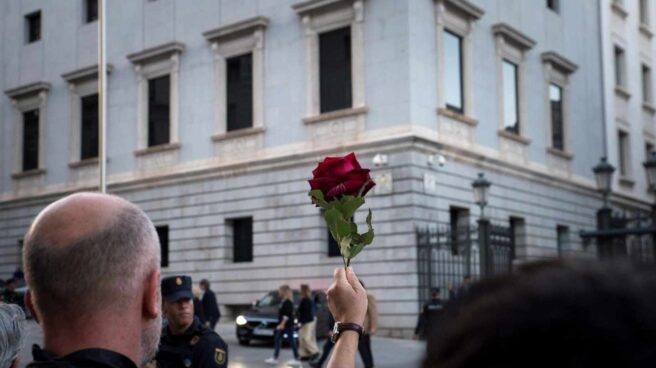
[151,297]
[30,305]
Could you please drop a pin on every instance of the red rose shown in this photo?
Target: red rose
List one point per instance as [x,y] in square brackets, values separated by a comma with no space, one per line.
[338,176]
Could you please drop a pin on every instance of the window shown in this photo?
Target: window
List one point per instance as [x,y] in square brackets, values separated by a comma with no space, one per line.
[644,12]
[158,111]
[518,233]
[459,224]
[562,239]
[453,72]
[510,98]
[163,235]
[333,247]
[649,148]
[90,10]
[556,104]
[623,152]
[89,128]
[335,70]
[553,5]
[619,67]
[240,92]
[646,84]
[241,230]
[30,140]
[33,27]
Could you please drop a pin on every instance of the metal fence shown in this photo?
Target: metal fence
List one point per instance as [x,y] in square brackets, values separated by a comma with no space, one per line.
[446,255]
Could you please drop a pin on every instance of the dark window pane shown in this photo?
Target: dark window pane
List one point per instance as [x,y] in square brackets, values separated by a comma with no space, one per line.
[240,92]
[33,22]
[623,152]
[562,238]
[242,237]
[91,10]
[30,140]
[619,66]
[158,111]
[510,98]
[453,72]
[553,5]
[556,102]
[163,234]
[646,84]
[333,247]
[89,143]
[335,70]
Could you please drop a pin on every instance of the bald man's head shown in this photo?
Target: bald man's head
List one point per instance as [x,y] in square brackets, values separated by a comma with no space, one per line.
[87,252]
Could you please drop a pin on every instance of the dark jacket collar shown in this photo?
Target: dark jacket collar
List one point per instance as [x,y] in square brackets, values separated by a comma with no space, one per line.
[94,357]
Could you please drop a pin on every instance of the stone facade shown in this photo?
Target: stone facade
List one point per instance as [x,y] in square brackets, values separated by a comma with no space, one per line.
[207,176]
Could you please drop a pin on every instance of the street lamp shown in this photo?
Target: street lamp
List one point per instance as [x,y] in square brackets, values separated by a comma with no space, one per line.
[604,176]
[481,186]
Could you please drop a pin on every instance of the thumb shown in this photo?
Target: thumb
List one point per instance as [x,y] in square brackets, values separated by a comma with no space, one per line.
[339,276]
[353,280]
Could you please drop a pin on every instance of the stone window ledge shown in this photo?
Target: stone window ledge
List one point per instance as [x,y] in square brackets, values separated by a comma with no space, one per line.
[82,163]
[619,9]
[238,133]
[514,137]
[157,149]
[647,106]
[457,116]
[28,173]
[646,31]
[622,92]
[336,115]
[560,153]
[626,181]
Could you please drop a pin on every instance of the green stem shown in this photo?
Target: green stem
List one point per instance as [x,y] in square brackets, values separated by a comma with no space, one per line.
[344,260]
[348,262]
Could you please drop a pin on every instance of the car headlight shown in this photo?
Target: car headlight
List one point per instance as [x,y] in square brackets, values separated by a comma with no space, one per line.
[241,320]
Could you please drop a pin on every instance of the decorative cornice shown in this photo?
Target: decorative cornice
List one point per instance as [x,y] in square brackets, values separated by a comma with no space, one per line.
[559,62]
[27,90]
[157,52]
[510,34]
[465,7]
[245,26]
[312,6]
[89,72]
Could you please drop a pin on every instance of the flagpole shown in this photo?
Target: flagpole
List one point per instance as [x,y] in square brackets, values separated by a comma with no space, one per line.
[102,96]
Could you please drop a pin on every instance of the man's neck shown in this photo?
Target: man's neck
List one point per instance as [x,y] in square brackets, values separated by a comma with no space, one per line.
[117,334]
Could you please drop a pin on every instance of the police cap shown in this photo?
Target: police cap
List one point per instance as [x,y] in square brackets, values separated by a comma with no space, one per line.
[175,288]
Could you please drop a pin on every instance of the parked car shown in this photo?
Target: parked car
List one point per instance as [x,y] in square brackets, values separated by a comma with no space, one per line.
[260,321]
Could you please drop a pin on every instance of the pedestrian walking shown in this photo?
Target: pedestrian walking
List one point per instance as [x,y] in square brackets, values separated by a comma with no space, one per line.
[186,342]
[285,326]
[210,305]
[306,317]
[430,314]
[198,305]
[370,328]
[327,346]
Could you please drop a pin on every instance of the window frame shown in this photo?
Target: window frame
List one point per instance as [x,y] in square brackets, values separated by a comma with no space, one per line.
[230,234]
[87,16]
[29,19]
[557,72]
[149,64]
[237,124]
[232,40]
[624,167]
[323,97]
[165,248]
[619,64]
[563,239]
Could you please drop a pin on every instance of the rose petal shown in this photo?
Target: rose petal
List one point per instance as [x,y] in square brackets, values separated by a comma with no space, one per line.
[323,184]
[358,174]
[343,167]
[324,169]
[370,185]
[335,192]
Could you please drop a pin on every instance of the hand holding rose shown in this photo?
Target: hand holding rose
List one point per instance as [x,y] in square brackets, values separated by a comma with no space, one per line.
[347,299]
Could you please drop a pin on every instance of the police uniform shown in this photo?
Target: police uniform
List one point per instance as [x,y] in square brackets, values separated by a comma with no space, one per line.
[198,346]
[431,313]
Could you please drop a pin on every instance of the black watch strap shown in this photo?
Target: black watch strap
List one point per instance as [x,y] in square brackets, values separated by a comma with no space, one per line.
[340,327]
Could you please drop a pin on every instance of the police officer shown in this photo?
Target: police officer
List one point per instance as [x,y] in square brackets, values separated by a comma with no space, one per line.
[431,312]
[185,341]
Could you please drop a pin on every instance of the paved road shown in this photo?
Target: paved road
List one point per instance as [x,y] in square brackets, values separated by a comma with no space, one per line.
[388,353]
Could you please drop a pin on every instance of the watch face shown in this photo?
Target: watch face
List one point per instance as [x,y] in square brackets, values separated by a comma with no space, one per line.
[333,338]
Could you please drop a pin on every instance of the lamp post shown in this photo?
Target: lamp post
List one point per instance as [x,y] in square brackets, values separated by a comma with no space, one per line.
[603,172]
[480,187]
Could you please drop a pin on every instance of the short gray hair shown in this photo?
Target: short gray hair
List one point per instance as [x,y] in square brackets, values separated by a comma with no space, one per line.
[100,270]
[12,328]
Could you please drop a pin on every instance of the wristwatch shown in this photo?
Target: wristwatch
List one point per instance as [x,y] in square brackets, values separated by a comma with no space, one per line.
[340,327]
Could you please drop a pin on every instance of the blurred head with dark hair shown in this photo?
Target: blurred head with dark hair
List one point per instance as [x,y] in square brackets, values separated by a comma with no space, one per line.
[552,314]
